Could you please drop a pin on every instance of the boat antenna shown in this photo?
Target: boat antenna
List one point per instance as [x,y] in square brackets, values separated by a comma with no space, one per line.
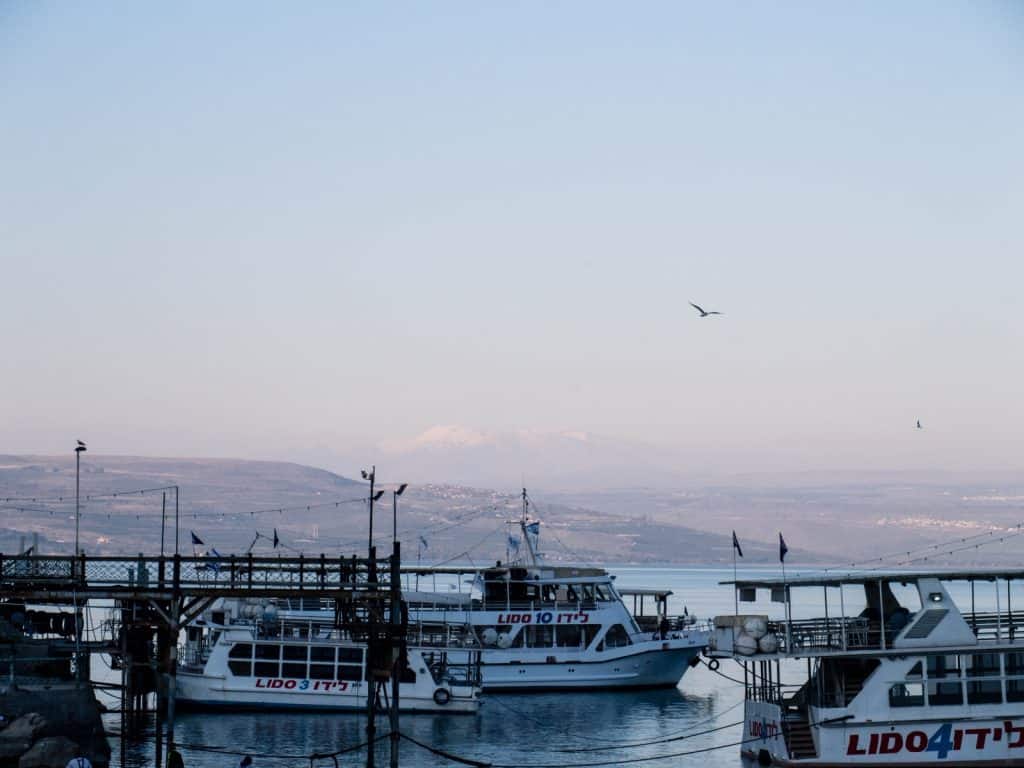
[524,526]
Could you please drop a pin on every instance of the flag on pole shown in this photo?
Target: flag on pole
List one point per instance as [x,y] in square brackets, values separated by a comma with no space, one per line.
[534,528]
[513,543]
[276,540]
[424,542]
[783,549]
[736,544]
[196,541]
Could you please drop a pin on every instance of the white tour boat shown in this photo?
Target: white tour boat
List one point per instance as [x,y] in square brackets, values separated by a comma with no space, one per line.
[288,654]
[897,673]
[540,627]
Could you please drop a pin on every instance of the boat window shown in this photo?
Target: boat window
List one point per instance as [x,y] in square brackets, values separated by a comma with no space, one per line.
[941,694]
[240,651]
[906,694]
[983,665]
[616,637]
[984,692]
[988,691]
[602,593]
[268,651]
[350,672]
[321,653]
[294,661]
[540,636]
[944,681]
[321,671]
[240,660]
[915,672]
[267,656]
[587,593]
[590,631]
[350,655]
[569,636]
[943,666]
[1015,669]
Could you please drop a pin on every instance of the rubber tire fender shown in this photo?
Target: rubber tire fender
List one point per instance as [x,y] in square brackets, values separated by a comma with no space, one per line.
[442,696]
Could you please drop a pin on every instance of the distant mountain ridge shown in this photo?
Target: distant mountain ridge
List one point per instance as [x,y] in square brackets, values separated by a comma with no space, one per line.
[227,502]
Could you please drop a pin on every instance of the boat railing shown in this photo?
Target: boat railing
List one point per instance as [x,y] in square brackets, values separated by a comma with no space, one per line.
[834,634]
[996,625]
[674,623]
[576,606]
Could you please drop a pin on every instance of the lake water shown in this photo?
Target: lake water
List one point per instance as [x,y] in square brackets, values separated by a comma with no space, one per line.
[549,729]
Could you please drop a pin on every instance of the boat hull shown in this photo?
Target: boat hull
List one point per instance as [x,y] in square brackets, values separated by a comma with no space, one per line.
[661,668]
[957,742]
[199,691]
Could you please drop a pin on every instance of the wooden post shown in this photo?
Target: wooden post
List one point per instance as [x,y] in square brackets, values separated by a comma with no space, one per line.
[369,682]
[397,644]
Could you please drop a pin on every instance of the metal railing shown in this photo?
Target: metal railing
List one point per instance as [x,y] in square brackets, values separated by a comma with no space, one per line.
[196,574]
[840,634]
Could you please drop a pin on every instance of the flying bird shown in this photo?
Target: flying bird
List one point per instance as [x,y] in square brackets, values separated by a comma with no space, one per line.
[80,443]
[702,312]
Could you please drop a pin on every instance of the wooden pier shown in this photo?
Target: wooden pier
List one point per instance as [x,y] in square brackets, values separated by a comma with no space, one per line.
[154,598]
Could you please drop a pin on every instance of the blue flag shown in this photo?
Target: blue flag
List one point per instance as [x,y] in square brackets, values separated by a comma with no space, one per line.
[534,528]
[736,544]
[196,541]
[513,543]
[783,549]
[276,540]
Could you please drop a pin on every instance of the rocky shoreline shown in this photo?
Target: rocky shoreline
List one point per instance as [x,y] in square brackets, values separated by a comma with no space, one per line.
[47,726]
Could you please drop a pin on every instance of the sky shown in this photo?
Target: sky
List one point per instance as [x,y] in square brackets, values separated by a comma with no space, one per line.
[268,231]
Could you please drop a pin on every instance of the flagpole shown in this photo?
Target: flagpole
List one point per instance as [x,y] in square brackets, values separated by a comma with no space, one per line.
[735,587]
[785,594]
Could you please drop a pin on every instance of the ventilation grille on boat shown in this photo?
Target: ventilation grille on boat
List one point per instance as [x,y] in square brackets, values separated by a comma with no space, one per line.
[923,626]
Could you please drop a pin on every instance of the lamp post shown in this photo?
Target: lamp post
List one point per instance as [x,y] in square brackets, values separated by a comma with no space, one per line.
[372,477]
[394,511]
[79,450]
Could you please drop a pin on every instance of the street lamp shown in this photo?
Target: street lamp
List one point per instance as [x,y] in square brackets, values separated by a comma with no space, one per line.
[394,511]
[372,477]
[79,450]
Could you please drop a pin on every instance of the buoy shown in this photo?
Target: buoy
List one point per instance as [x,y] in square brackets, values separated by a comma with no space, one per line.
[442,696]
[489,636]
[756,627]
[744,644]
[714,664]
[768,644]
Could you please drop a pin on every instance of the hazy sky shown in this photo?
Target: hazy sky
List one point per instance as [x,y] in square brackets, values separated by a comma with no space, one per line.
[243,229]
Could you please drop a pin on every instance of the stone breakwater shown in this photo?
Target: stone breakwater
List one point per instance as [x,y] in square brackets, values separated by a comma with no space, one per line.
[46,727]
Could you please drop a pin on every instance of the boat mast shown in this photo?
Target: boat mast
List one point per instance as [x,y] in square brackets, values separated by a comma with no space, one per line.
[534,555]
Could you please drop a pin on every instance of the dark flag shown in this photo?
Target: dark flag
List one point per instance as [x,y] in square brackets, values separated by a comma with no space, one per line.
[196,541]
[736,544]
[783,549]
[276,540]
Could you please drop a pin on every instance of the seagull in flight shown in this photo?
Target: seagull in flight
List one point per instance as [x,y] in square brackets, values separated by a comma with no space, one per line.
[702,312]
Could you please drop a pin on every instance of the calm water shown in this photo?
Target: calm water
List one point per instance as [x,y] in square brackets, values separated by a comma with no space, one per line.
[524,730]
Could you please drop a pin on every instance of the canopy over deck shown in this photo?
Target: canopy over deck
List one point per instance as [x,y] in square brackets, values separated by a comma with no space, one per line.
[870,577]
[644,592]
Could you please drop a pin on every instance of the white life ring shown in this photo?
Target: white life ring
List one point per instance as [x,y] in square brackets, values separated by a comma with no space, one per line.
[442,696]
